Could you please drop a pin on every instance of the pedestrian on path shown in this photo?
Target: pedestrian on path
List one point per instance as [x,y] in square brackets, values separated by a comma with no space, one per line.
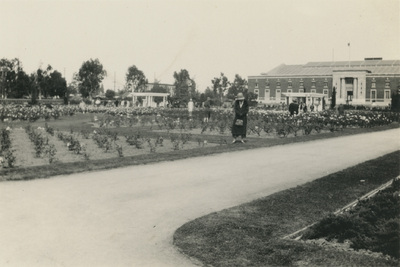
[239,127]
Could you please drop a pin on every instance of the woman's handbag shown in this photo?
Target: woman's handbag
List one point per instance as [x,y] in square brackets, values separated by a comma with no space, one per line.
[239,122]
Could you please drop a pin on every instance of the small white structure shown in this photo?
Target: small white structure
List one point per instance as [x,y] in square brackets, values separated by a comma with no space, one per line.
[148,100]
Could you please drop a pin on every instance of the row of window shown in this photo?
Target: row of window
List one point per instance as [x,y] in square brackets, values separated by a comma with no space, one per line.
[387,83]
[325,92]
[278,91]
[290,84]
[313,83]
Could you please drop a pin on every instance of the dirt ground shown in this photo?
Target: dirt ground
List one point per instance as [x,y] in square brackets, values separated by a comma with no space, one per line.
[127,216]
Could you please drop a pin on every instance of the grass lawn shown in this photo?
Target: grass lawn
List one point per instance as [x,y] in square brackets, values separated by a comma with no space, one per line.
[251,234]
[68,163]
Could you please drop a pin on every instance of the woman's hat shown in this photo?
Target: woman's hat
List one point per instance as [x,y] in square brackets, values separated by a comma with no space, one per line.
[240,96]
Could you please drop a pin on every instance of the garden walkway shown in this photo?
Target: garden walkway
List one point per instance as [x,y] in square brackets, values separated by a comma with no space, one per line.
[127,216]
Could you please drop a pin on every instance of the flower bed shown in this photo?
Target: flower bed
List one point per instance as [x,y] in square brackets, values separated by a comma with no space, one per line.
[35,146]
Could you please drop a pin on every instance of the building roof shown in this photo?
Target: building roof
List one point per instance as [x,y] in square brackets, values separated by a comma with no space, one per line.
[376,66]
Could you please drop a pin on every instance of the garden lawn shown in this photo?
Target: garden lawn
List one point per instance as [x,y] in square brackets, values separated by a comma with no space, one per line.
[251,234]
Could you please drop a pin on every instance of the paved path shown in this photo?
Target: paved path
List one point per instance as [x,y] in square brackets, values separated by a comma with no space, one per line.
[126,217]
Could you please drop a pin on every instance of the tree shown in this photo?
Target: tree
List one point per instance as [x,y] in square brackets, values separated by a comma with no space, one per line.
[15,82]
[110,94]
[42,81]
[220,85]
[239,85]
[57,85]
[135,79]
[22,87]
[90,76]
[333,101]
[185,87]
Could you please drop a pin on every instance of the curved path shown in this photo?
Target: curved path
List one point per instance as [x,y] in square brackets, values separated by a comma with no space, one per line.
[126,217]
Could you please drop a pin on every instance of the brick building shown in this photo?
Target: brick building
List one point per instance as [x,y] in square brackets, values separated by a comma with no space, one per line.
[356,82]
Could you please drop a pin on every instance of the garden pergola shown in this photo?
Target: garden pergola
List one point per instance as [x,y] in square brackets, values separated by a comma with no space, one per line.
[148,100]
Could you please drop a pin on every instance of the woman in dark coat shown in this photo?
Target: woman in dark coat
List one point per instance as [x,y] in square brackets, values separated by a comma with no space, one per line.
[239,126]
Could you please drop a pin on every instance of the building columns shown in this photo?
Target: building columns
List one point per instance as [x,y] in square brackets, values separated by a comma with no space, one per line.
[342,88]
[355,88]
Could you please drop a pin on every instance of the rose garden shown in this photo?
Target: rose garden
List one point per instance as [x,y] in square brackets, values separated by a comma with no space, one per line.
[43,141]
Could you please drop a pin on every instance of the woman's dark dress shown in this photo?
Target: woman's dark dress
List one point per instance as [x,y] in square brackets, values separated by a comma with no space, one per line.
[241,114]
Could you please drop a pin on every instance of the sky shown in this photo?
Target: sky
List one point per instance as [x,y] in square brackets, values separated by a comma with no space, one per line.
[207,38]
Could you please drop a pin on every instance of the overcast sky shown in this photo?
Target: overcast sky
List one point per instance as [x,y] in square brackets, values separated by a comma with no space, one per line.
[244,37]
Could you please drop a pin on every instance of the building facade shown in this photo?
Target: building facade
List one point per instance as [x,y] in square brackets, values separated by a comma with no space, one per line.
[368,82]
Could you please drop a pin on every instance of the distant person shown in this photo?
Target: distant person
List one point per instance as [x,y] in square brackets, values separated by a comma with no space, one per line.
[82,106]
[305,108]
[239,127]
[190,108]
[97,102]
[207,107]
[312,107]
[341,109]
[293,108]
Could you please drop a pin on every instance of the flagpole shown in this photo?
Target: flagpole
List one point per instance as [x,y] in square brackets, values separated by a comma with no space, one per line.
[349,53]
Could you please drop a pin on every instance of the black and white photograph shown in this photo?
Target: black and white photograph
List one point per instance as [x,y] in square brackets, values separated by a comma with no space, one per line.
[179,133]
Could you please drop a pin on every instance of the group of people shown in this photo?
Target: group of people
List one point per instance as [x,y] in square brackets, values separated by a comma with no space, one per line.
[295,108]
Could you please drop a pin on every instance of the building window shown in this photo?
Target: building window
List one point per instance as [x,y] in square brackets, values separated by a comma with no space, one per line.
[301,84]
[325,91]
[313,91]
[373,95]
[326,83]
[278,83]
[373,84]
[289,90]
[256,85]
[256,91]
[266,84]
[387,94]
[301,90]
[290,83]
[387,83]
[312,84]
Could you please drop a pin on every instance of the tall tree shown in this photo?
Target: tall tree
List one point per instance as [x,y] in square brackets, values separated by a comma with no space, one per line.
[135,79]
[42,81]
[57,85]
[23,86]
[239,85]
[185,86]
[333,99]
[90,76]
[220,85]
[12,78]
